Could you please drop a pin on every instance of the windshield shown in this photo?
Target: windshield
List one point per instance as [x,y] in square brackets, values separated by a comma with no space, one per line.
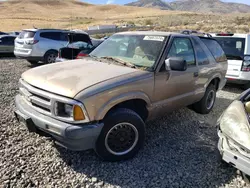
[138,50]
[233,47]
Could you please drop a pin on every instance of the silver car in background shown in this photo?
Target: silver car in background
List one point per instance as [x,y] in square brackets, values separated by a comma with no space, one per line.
[36,45]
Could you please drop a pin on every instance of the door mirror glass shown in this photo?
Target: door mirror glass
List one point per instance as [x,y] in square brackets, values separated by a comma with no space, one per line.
[176,64]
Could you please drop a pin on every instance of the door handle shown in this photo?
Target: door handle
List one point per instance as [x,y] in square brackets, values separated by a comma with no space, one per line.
[196,74]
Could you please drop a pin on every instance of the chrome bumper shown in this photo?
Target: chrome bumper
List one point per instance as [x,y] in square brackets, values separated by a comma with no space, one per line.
[71,136]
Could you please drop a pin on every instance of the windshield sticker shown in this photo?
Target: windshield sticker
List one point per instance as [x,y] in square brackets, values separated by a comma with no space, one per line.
[238,44]
[155,38]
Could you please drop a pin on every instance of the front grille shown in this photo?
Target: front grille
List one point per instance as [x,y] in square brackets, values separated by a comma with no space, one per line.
[35,97]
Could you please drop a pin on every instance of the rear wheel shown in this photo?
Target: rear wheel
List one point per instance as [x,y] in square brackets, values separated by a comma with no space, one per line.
[121,137]
[50,57]
[205,105]
[245,177]
[246,86]
[32,62]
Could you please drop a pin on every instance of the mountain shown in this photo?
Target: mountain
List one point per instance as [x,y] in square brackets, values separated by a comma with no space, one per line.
[151,4]
[204,6]
[211,6]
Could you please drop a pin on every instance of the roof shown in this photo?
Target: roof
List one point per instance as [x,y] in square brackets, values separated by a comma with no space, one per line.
[235,35]
[157,33]
[34,30]
[1,36]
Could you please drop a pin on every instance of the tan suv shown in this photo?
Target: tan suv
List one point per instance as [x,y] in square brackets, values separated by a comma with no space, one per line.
[103,100]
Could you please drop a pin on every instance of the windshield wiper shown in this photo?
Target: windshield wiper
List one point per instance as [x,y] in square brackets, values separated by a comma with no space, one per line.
[117,60]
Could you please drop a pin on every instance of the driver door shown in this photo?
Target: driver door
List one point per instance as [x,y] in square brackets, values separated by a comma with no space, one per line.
[175,89]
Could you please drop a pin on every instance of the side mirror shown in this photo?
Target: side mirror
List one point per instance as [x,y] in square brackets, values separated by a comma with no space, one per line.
[176,64]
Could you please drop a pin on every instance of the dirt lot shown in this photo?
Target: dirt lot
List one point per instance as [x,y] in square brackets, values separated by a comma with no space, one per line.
[179,150]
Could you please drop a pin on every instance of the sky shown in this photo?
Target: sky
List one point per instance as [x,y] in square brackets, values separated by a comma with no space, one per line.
[128,1]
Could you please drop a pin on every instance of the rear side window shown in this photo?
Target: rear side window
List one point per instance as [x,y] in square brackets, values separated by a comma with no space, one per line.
[215,49]
[26,34]
[201,56]
[54,36]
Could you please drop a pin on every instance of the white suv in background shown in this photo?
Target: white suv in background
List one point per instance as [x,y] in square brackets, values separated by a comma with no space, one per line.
[40,44]
[237,49]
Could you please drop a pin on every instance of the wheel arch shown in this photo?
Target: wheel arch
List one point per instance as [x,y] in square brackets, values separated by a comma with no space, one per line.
[137,101]
[50,50]
[215,80]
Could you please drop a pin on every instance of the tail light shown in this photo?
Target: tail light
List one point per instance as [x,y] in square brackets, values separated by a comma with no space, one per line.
[59,56]
[31,42]
[225,34]
[246,64]
[81,55]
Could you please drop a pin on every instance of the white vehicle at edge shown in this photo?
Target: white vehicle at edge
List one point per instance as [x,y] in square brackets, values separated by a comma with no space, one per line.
[237,49]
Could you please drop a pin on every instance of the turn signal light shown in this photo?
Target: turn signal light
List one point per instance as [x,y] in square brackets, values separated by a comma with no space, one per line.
[78,113]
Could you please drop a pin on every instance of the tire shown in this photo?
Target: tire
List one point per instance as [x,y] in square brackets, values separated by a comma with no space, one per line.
[245,177]
[122,136]
[205,105]
[32,62]
[50,56]
[246,86]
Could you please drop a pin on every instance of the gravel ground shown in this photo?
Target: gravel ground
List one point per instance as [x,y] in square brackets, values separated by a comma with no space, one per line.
[179,150]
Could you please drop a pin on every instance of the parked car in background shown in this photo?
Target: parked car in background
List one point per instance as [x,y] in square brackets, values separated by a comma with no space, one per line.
[237,49]
[7,44]
[79,46]
[15,33]
[103,101]
[3,33]
[234,134]
[36,45]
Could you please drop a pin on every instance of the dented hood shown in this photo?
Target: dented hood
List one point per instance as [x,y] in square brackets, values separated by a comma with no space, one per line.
[71,77]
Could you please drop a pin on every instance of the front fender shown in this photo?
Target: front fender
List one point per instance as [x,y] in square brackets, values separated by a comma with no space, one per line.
[119,99]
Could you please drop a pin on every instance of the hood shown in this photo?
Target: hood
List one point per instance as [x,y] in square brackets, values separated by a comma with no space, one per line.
[71,77]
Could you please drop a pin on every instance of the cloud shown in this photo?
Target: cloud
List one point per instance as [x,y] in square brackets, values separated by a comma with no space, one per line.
[110,2]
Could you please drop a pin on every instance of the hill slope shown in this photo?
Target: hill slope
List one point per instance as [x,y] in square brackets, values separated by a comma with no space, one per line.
[151,4]
[213,6]
[204,6]
[21,14]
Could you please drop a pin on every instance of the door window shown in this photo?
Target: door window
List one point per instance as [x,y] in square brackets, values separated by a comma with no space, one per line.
[51,35]
[182,47]
[7,41]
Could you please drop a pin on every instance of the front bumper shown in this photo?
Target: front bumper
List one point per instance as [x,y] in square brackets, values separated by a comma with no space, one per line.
[74,137]
[232,157]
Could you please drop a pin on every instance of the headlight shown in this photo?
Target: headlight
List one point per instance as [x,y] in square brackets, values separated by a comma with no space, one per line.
[235,125]
[70,111]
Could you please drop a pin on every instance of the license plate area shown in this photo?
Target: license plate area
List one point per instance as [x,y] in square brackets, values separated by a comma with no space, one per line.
[26,121]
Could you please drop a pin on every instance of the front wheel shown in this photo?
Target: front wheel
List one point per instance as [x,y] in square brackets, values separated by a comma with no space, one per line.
[205,105]
[122,136]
